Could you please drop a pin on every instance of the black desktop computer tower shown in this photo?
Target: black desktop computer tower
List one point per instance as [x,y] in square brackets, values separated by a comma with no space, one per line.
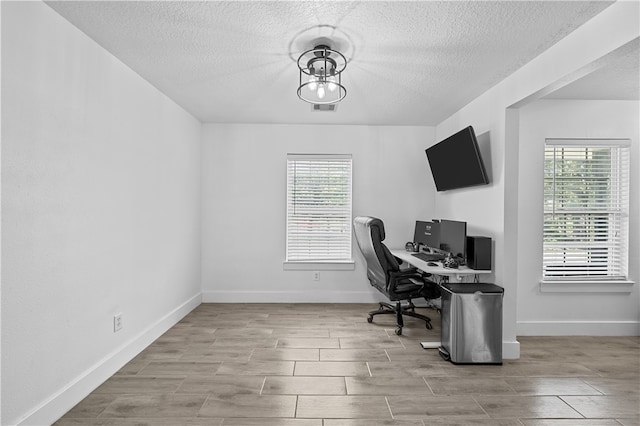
[479,253]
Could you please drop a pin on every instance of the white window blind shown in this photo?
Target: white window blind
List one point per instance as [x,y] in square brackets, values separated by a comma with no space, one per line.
[586,209]
[318,208]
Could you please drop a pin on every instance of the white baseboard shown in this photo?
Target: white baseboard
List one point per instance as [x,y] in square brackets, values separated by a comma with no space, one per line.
[578,328]
[510,350]
[289,297]
[65,399]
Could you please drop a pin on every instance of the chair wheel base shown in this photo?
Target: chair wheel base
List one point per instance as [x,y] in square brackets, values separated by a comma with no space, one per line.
[399,311]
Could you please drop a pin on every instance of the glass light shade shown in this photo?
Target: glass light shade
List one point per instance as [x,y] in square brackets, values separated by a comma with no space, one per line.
[320,72]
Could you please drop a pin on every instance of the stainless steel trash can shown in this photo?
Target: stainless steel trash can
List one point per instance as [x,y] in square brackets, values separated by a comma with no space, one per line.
[471,330]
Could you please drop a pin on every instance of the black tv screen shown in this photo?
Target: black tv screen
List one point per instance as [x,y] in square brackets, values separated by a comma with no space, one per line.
[456,162]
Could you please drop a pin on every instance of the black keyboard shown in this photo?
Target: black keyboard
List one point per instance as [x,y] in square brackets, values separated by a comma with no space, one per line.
[429,257]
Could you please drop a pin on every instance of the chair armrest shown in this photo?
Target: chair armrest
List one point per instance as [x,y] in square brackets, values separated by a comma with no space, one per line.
[409,269]
[405,274]
[412,272]
[424,287]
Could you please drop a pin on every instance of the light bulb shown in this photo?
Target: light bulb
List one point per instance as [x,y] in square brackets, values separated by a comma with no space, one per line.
[332,84]
[321,92]
[312,84]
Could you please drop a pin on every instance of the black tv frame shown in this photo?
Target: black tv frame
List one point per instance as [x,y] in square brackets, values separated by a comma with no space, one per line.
[456,162]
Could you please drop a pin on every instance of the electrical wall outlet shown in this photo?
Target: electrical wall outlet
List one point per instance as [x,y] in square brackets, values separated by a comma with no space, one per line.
[117,322]
[316,275]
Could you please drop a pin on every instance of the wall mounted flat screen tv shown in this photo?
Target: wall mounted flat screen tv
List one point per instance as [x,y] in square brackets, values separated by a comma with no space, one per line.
[456,162]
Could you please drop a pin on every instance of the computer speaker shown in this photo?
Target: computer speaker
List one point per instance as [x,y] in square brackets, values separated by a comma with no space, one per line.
[479,253]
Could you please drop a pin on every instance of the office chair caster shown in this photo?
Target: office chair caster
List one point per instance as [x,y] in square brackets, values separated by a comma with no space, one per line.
[370,319]
[429,326]
[399,331]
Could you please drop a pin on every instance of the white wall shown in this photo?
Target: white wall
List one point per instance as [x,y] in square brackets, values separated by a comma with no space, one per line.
[0,231]
[589,309]
[100,213]
[244,205]
[497,205]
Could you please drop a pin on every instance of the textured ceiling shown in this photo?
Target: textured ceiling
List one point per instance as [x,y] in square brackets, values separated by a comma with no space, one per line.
[410,63]
[618,80]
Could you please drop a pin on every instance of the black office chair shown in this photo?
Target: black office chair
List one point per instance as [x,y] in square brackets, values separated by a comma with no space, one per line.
[384,273]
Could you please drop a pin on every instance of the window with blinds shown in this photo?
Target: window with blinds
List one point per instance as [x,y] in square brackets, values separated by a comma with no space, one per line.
[318,208]
[586,209]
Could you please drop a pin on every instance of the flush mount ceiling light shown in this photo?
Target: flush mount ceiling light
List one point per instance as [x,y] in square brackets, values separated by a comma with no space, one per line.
[321,75]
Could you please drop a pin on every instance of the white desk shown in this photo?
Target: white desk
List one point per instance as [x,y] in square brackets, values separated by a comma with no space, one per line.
[458,273]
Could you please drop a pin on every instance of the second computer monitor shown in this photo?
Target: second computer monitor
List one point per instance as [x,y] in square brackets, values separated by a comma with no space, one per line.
[427,234]
[453,237]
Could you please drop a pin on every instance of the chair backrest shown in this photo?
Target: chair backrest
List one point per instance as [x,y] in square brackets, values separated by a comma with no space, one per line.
[369,232]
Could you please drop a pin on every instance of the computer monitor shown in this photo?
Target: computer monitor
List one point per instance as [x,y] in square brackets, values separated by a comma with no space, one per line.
[427,234]
[453,237]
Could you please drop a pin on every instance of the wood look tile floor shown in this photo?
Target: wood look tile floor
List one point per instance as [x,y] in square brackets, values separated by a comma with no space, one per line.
[324,365]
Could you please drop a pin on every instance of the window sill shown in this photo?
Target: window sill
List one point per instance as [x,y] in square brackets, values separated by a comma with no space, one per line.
[617,286]
[347,265]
